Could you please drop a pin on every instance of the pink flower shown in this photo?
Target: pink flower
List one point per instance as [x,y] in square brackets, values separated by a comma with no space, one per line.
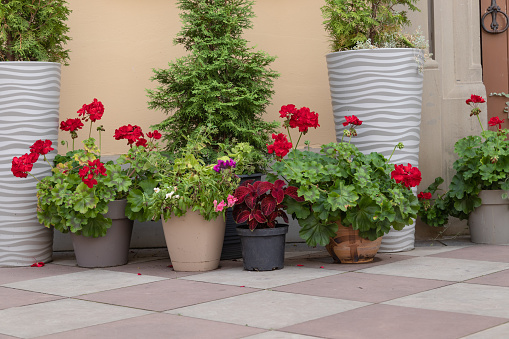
[219,207]
[231,200]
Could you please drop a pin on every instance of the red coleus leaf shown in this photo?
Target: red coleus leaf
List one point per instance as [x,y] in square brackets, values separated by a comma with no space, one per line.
[279,183]
[283,215]
[258,216]
[278,194]
[246,182]
[263,186]
[251,199]
[272,216]
[252,224]
[241,192]
[268,205]
[291,191]
[271,224]
[242,217]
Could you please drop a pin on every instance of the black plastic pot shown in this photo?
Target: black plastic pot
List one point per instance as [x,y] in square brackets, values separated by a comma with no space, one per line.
[232,248]
[263,249]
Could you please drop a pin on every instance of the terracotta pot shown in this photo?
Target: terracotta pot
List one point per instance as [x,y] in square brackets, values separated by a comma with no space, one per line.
[488,222]
[348,248]
[194,243]
[113,248]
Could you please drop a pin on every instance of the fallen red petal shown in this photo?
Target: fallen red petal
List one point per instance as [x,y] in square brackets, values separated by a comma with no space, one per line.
[242,286]
[37,264]
[300,265]
[170,266]
[139,273]
[321,266]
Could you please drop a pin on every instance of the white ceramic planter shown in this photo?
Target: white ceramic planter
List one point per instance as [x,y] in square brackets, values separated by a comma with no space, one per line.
[29,104]
[488,223]
[383,88]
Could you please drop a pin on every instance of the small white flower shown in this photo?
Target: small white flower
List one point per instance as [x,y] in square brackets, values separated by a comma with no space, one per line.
[176,196]
[175,188]
[169,195]
[157,189]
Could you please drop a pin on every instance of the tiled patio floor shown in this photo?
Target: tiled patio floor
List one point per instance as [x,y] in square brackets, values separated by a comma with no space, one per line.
[450,289]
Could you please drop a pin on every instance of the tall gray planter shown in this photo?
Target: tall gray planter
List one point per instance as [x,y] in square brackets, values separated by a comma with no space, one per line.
[383,88]
[29,104]
[488,222]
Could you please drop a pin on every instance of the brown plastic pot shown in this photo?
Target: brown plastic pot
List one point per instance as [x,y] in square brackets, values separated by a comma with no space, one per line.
[349,248]
[194,244]
[113,248]
[488,222]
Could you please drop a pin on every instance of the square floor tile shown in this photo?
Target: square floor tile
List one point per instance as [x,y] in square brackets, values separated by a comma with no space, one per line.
[462,298]
[167,294]
[268,309]
[13,274]
[496,253]
[58,316]
[362,287]
[495,279]
[391,322]
[279,335]
[438,268]
[158,326]
[324,260]
[156,268]
[13,298]
[266,279]
[429,250]
[500,331]
[91,281]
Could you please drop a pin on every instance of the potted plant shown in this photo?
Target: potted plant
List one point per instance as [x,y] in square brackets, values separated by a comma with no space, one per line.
[222,81]
[257,208]
[376,73]
[32,46]
[84,196]
[478,190]
[191,198]
[341,185]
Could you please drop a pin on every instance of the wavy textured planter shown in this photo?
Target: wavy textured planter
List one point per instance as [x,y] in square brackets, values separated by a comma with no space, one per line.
[29,104]
[383,88]
[488,222]
[194,244]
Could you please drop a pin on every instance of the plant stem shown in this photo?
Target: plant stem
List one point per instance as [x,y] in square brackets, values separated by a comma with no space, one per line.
[392,153]
[480,122]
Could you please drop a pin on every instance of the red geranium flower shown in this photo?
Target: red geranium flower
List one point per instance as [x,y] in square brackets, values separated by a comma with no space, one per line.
[24,164]
[71,125]
[94,110]
[424,196]
[353,120]
[141,142]
[88,173]
[288,109]
[305,119]
[408,175]
[155,135]
[281,146]
[41,147]
[130,132]
[496,121]
[475,99]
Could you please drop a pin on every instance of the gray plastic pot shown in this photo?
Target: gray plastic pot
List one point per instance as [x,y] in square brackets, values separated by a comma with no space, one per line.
[113,248]
[488,222]
[263,249]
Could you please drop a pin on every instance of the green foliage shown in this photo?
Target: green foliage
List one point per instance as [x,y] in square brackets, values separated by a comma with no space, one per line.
[249,160]
[482,164]
[342,184]
[222,81]
[34,30]
[349,22]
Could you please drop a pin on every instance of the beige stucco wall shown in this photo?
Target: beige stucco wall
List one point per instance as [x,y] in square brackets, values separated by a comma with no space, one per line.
[117,43]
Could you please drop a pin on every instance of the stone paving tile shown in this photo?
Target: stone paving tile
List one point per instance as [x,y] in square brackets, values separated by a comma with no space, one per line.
[156,268]
[392,322]
[324,260]
[279,335]
[500,331]
[497,253]
[265,279]
[60,315]
[2,336]
[155,326]
[461,298]
[268,309]
[14,274]
[167,294]
[10,297]
[429,250]
[91,281]
[495,279]
[438,268]
[372,288]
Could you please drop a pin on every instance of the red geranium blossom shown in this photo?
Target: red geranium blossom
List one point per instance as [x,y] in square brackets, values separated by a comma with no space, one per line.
[408,175]
[281,146]
[130,132]
[24,164]
[496,121]
[424,196]
[71,125]
[94,110]
[87,173]
[352,120]
[141,142]
[475,99]
[41,147]
[302,118]
[155,135]
[288,109]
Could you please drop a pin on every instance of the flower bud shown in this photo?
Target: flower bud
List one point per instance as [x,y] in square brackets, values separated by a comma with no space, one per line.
[400,145]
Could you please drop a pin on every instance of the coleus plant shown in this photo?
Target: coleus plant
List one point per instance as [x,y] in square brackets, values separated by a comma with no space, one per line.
[259,204]
[482,164]
[341,184]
